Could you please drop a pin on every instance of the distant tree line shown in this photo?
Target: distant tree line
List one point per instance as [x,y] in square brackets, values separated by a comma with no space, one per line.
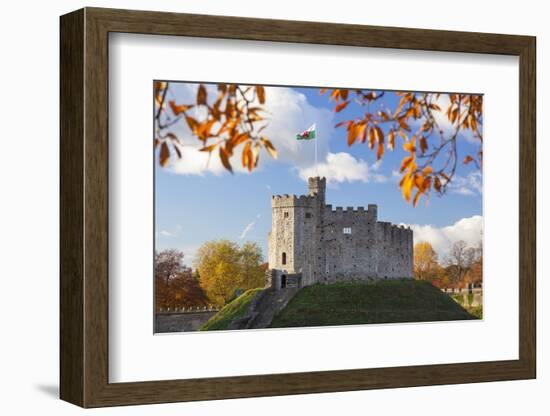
[222,270]
[462,267]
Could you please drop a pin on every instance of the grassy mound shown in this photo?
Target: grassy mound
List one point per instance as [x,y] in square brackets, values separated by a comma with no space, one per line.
[384,301]
[232,310]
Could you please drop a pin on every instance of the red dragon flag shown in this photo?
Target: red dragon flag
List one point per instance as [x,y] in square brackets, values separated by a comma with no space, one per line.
[309,134]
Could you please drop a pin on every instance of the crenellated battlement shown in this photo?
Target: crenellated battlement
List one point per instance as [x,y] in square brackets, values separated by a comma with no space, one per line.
[287,201]
[353,213]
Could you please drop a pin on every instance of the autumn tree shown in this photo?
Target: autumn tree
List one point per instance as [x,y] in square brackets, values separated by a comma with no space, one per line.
[224,268]
[175,284]
[425,261]
[236,116]
[252,270]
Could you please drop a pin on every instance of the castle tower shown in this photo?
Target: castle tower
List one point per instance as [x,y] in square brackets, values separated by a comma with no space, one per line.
[317,186]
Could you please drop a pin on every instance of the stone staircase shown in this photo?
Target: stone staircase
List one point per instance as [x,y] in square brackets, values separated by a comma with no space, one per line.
[263,308]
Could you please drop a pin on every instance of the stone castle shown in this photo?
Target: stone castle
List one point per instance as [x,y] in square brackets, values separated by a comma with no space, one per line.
[310,242]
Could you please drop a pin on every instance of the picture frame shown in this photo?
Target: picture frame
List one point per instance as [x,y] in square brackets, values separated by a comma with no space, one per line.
[84,218]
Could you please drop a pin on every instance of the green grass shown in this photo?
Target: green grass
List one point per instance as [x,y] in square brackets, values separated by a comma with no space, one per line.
[476,311]
[384,301]
[232,310]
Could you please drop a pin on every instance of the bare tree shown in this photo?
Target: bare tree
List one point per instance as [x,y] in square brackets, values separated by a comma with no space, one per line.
[175,284]
[168,264]
[458,259]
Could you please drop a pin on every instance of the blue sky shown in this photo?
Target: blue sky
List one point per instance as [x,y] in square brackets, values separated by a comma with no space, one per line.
[197,200]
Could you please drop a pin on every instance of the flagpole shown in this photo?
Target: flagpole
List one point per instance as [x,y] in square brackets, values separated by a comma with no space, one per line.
[316,168]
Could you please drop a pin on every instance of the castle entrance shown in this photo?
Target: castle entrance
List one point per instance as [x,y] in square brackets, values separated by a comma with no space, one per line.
[283,281]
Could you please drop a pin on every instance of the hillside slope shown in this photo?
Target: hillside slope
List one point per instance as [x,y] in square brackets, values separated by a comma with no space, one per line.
[252,310]
[230,312]
[385,301]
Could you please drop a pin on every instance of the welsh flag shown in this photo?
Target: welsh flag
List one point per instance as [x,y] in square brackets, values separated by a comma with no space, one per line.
[308,134]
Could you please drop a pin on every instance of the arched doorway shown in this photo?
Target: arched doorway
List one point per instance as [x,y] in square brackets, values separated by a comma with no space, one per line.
[283,281]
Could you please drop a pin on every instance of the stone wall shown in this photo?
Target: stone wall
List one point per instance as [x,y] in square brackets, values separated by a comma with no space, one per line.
[182,321]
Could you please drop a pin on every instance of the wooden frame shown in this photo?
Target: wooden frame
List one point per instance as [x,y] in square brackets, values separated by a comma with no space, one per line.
[84,207]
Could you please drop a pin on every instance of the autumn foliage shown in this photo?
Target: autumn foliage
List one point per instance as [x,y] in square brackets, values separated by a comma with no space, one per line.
[426,266]
[226,268]
[462,267]
[175,285]
[431,153]
[234,119]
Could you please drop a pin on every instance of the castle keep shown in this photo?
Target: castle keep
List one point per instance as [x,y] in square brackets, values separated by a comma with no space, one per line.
[310,242]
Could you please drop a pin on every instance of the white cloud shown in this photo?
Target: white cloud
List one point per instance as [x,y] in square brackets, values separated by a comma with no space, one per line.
[470,185]
[170,233]
[342,167]
[441,238]
[248,228]
[289,112]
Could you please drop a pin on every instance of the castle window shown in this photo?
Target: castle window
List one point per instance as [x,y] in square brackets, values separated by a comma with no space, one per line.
[347,230]
[286,214]
[283,260]
[308,215]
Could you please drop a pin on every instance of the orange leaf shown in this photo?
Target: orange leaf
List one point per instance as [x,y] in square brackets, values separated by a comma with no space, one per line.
[241,138]
[380,150]
[379,134]
[178,109]
[192,123]
[245,155]
[209,148]
[418,180]
[201,95]
[341,106]
[164,154]
[416,198]
[468,159]
[406,187]
[225,159]
[363,133]
[406,163]
[410,146]
[352,133]
[423,144]
[391,140]
[260,90]
[372,138]
[256,153]
[269,147]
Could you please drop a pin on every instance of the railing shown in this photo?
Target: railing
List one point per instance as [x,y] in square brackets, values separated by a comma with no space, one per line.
[191,309]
